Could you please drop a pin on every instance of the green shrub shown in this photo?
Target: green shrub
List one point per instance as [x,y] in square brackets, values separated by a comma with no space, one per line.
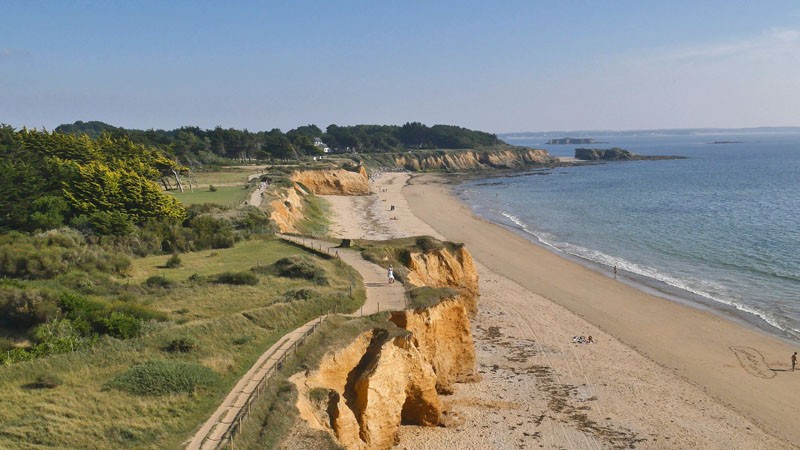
[181,345]
[45,381]
[212,188]
[120,325]
[173,262]
[297,266]
[157,377]
[241,340]
[237,278]
[158,281]
[427,243]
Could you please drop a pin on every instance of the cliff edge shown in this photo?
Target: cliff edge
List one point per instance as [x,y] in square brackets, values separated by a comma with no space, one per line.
[394,376]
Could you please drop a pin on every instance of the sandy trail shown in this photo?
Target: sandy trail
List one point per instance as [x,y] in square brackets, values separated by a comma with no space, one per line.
[539,390]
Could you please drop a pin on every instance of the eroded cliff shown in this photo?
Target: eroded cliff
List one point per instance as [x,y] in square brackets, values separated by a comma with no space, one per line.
[334,182]
[287,210]
[364,392]
[441,268]
[471,160]
[390,377]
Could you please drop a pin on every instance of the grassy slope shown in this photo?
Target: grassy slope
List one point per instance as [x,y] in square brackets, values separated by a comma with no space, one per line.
[231,325]
[225,195]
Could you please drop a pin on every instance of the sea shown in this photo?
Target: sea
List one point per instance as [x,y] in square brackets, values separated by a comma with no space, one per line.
[719,230]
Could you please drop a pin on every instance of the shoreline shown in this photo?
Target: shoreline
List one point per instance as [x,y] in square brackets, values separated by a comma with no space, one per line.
[659,288]
[737,365]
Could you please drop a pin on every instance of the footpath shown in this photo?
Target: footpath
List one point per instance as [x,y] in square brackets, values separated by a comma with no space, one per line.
[224,423]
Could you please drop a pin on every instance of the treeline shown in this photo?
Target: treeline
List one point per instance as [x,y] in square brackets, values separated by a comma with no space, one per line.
[192,144]
[106,184]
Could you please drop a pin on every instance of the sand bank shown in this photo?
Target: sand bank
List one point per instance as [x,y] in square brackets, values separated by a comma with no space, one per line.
[660,375]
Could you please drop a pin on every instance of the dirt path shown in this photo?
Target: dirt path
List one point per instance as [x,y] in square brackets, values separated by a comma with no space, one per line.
[381,296]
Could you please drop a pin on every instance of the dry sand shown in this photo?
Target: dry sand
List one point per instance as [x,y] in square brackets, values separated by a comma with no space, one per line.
[660,375]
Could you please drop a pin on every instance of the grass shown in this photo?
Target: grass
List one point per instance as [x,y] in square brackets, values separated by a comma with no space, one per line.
[225,176]
[224,195]
[229,326]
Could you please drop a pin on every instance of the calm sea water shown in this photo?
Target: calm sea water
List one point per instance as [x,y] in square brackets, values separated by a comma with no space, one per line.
[720,229]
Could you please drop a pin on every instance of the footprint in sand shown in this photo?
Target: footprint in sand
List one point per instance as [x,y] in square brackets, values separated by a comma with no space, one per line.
[753,362]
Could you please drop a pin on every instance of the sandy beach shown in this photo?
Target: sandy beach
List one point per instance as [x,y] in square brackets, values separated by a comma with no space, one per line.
[659,375]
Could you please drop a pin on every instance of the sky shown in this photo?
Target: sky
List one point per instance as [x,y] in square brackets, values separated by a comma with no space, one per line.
[499,66]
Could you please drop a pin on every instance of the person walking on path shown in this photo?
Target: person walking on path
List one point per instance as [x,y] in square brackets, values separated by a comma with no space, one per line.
[794,360]
[391,275]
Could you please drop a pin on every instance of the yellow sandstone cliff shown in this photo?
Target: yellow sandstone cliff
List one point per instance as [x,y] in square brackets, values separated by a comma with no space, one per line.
[288,209]
[440,268]
[364,392]
[334,182]
[473,160]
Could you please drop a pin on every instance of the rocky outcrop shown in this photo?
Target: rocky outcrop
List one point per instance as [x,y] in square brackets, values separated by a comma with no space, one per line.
[334,182]
[615,154]
[596,154]
[442,335]
[441,268]
[472,160]
[364,392]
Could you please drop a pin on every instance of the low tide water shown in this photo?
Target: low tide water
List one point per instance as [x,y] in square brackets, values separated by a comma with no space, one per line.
[719,229]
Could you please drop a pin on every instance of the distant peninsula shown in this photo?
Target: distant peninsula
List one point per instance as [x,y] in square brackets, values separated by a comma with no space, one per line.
[615,154]
[571,141]
[723,142]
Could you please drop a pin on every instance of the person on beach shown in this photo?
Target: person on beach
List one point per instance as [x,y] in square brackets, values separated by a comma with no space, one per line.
[615,271]
[794,360]
[390,274]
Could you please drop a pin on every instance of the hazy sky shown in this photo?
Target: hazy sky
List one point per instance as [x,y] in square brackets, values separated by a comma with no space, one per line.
[496,66]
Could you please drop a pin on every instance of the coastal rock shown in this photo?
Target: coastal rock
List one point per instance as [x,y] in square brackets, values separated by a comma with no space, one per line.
[595,154]
[442,334]
[615,154]
[472,160]
[334,182]
[370,387]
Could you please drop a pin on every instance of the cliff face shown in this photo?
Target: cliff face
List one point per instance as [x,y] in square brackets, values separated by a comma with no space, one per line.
[364,392]
[287,210]
[440,268]
[334,182]
[474,160]
[443,336]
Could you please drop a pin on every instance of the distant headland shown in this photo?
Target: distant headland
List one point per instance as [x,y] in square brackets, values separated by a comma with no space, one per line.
[571,141]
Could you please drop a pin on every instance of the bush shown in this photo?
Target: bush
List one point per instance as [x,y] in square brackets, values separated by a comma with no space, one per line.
[45,381]
[303,267]
[181,345]
[238,278]
[120,325]
[212,188]
[159,377]
[173,262]
[158,281]
[427,243]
